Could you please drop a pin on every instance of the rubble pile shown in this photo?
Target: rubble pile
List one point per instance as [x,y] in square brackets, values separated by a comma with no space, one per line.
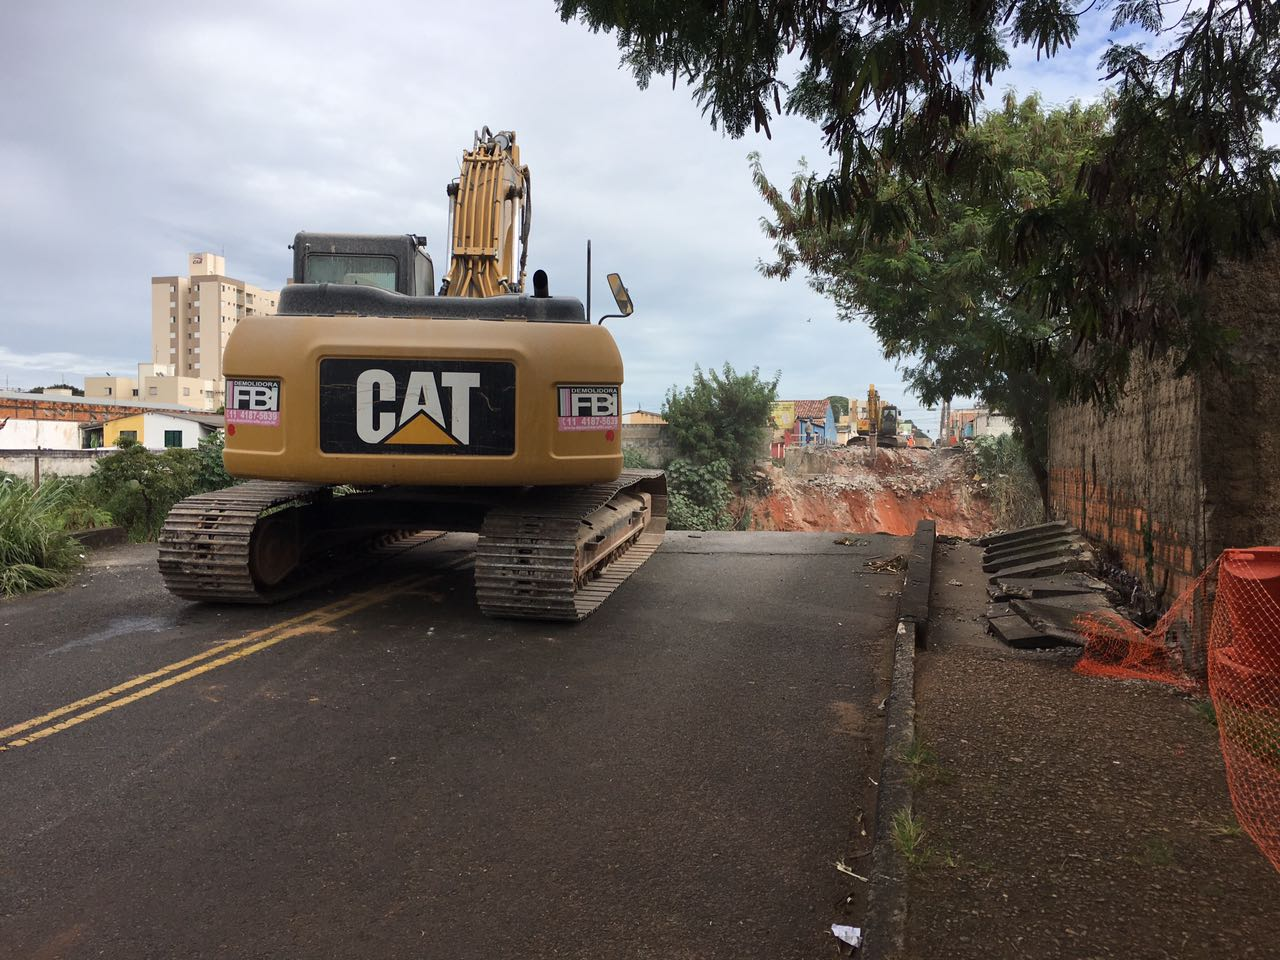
[856,490]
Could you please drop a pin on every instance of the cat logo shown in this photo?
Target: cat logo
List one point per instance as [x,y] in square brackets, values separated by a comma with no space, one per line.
[421,418]
[417,407]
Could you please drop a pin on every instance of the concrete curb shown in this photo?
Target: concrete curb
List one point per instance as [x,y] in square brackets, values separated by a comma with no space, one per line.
[885,926]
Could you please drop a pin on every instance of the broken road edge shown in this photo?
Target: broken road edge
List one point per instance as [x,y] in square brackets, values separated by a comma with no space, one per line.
[885,925]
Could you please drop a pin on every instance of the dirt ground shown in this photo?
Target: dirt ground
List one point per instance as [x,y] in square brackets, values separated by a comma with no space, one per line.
[1068,816]
[857,493]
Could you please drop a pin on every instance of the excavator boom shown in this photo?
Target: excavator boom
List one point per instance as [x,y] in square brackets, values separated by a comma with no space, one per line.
[490,212]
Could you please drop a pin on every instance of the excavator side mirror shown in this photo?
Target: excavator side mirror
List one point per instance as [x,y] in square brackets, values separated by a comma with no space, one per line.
[625,306]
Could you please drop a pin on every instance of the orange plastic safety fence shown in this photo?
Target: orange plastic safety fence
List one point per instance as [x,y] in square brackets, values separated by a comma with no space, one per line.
[1226,628]
[1172,652]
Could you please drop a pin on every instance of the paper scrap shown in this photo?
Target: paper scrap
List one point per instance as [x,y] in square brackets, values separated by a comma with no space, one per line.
[850,935]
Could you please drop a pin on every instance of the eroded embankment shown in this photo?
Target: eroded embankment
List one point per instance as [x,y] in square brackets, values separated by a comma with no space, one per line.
[850,491]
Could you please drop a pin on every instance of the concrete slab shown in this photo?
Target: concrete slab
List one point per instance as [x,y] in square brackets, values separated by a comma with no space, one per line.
[1037,587]
[1032,554]
[1024,533]
[996,553]
[1056,565]
[1019,634]
[1056,620]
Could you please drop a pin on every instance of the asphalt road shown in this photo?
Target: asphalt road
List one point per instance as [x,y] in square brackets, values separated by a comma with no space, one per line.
[376,770]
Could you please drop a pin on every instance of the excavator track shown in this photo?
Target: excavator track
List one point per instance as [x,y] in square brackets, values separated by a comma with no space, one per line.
[218,547]
[558,553]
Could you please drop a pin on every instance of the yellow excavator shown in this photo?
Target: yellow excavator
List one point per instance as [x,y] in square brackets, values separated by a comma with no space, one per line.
[372,407]
[880,425]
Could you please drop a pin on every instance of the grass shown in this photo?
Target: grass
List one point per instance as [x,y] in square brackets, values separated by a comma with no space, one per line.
[1230,829]
[922,762]
[35,551]
[908,833]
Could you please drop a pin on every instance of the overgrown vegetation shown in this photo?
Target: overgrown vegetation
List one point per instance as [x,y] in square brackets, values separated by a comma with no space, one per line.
[35,549]
[1001,463]
[718,425]
[721,415]
[133,487]
[699,495]
[139,486]
[635,460]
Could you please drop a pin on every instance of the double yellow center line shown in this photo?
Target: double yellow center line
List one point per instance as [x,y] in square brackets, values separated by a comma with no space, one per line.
[131,691]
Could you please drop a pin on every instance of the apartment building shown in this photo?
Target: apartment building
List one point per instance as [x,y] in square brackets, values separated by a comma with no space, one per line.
[191,318]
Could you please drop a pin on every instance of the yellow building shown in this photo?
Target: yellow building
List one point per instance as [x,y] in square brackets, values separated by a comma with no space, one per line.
[643,416]
[158,431]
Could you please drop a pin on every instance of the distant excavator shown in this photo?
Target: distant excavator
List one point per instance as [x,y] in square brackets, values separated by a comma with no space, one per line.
[371,406]
[880,425]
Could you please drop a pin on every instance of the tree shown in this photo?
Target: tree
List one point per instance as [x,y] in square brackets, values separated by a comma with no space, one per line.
[938,296]
[139,487]
[75,391]
[839,405]
[722,415]
[211,474]
[1180,180]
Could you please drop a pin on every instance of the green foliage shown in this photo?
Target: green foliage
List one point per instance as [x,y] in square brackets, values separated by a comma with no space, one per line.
[77,508]
[635,460]
[722,415]
[1000,463]
[839,406]
[138,487]
[937,295]
[1115,259]
[211,474]
[699,495]
[35,551]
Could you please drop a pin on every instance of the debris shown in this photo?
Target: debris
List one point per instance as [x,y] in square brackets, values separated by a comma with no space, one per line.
[892,565]
[844,868]
[954,583]
[850,542]
[850,935]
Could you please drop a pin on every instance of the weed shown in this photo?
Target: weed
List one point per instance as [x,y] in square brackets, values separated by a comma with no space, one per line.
[1205,711]
[921,761]
[908,834]
[1229,829]
[35,551]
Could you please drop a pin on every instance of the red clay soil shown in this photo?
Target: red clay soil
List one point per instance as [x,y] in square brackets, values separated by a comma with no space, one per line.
[888,496]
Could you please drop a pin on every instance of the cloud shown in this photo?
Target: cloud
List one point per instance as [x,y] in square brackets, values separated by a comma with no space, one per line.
[135,138]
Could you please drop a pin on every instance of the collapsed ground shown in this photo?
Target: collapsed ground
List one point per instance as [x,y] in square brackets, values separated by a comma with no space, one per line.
[856,490]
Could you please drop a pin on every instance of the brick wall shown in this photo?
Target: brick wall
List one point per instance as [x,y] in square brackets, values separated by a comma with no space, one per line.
[1184,467]
[25,408]
[1132,480]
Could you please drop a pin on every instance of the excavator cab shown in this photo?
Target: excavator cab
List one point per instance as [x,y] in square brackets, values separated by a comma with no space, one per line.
[398,264]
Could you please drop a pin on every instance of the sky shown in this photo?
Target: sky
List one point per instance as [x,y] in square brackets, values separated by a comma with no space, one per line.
[132,134]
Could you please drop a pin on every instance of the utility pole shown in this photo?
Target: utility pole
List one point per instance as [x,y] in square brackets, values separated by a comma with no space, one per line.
[943,436]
